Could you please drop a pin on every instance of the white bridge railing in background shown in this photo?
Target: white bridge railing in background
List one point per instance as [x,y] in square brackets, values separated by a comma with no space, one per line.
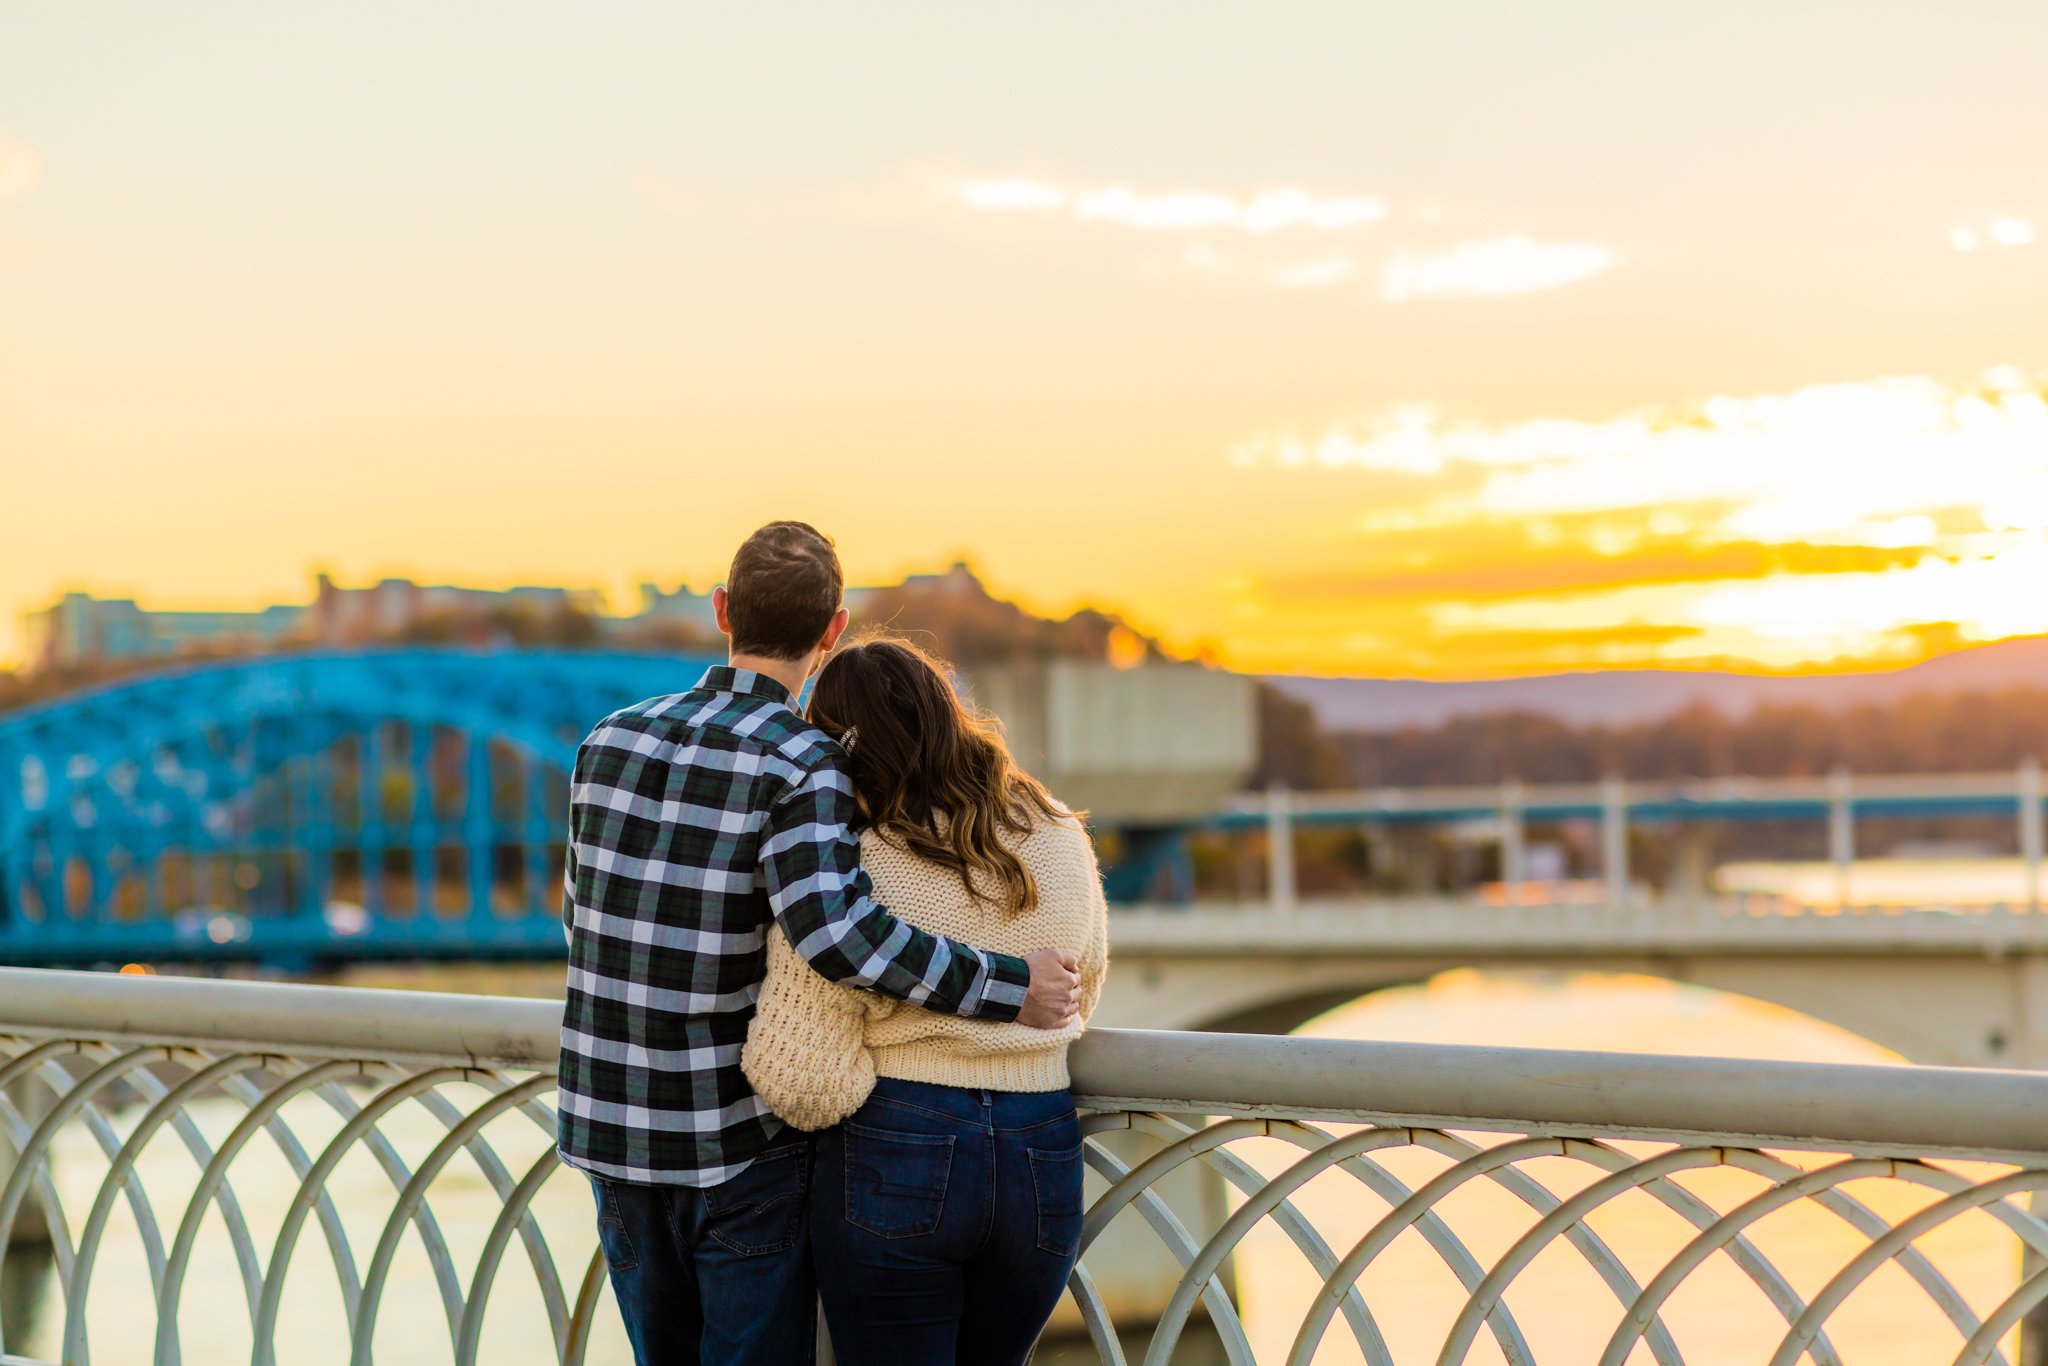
[246,1171]
[1838,799]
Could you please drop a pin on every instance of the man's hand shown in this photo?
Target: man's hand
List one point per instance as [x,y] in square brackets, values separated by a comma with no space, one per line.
[1054,998]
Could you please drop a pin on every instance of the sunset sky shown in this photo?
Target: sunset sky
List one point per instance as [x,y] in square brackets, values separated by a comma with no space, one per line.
[1448,340]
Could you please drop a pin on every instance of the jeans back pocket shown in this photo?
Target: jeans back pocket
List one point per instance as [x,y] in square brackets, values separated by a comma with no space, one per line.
[1056,1184]
[762,1209]
[611,1226]
[896,1182]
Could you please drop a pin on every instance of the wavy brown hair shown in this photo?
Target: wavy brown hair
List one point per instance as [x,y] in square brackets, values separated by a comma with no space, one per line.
[928,772]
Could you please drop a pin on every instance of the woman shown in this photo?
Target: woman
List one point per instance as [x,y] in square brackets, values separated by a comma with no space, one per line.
[946,1202]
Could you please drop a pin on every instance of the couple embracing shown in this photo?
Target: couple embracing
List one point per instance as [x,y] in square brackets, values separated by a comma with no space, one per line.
[824,967]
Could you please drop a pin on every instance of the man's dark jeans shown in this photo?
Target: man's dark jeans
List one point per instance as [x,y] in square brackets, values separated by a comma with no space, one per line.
[945,1223]
[720,1275]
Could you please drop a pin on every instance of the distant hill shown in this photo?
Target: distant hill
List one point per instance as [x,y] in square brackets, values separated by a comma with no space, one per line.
[1632,696]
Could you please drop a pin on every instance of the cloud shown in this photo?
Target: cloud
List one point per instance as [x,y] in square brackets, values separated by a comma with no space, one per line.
[1501,265]
[1818,524]
[1864,460]
[1501,564]
[20,169]
[1999,232]
[1494,266]
[1184,210]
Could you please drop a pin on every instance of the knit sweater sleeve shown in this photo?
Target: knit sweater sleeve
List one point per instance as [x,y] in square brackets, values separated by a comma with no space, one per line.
[1095,957]
[805,1054]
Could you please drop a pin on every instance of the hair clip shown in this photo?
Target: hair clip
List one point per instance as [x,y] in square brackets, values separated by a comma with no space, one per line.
[848,738]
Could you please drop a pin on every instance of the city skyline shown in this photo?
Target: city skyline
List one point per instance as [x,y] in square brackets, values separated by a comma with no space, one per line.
[1499,341]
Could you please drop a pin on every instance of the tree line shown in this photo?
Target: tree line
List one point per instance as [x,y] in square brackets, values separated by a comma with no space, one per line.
[1955,732]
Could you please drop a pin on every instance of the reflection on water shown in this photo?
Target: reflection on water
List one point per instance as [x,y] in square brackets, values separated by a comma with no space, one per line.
[1718,1314]
[1412,1296]
[1929,882]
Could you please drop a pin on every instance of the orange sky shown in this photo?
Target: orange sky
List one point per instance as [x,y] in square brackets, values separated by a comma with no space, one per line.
[1455,343]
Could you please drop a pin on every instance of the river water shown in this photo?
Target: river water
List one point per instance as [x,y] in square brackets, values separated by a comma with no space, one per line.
[1719,1317]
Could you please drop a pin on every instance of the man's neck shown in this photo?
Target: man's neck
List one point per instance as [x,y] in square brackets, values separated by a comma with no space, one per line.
[790,673]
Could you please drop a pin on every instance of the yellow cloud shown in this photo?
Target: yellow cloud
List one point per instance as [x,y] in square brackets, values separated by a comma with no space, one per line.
[1829,524]
[1999,232]
[1864,462]
[1497,266]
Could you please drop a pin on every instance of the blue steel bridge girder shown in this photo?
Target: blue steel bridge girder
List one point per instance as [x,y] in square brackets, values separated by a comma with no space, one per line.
[280,771]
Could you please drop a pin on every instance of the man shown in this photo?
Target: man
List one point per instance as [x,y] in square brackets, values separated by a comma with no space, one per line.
[695,821]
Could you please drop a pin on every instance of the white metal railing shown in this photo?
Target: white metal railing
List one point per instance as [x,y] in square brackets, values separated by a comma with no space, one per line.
[1341,1159]
[1613,801]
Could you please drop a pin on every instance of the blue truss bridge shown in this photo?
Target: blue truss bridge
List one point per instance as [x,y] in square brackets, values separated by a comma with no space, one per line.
[404,803]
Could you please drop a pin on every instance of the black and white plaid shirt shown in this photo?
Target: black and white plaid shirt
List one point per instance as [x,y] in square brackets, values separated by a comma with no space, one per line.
[694,821]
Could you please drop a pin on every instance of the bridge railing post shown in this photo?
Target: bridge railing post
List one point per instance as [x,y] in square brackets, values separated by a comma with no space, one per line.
[2031,829]
[1514,846]
[1280,872]
[1842,832]
[1614,838]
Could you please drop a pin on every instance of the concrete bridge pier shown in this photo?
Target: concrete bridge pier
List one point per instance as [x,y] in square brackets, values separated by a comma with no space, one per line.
[1692,864]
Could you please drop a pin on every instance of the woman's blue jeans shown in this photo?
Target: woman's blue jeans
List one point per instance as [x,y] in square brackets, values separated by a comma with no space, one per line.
[944,1223]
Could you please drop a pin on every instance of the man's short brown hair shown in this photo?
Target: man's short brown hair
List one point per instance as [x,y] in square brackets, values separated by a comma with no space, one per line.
[784,587]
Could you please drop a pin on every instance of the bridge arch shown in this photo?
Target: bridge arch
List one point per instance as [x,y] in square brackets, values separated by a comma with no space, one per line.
[1965,1012]
[289,762]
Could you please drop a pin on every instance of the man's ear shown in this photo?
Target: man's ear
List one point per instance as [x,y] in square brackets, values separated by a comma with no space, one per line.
[837,629]
[720,610]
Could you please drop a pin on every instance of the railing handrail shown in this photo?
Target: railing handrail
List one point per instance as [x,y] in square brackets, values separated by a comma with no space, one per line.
[1871,1110]
[286,1018]
[1816,790]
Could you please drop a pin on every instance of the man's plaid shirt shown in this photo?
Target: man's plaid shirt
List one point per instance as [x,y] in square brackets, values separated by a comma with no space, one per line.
[695,821]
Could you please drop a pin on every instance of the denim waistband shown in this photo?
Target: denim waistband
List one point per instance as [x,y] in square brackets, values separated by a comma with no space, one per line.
[1000,1109]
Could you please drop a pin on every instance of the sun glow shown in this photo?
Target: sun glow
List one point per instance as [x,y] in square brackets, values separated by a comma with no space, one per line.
[1301,345]
[1838,523]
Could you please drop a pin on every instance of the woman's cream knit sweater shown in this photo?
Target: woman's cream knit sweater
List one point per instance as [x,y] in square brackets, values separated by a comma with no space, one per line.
[814,1049]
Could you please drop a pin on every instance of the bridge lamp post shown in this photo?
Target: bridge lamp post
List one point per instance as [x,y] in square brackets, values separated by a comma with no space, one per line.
[2031,829]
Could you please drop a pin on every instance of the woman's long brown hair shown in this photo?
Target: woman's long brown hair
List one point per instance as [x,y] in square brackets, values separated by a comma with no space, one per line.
[928,772]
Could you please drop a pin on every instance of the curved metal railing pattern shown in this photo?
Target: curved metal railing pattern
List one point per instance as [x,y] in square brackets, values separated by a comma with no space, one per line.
[138,1109]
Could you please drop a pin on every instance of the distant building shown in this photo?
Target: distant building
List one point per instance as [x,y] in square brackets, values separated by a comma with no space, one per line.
[351,616]
[683,607]
[82,629]
[958,581]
